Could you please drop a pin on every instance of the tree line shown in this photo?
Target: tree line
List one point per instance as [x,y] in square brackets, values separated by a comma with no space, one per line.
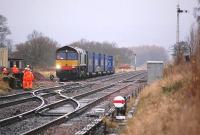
[39,50]
[124,55]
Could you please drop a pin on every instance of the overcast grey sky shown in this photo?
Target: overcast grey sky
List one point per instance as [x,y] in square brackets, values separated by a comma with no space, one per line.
[126,22]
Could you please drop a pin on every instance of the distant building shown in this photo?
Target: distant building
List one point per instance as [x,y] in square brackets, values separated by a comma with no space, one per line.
[15,61]
[9,61]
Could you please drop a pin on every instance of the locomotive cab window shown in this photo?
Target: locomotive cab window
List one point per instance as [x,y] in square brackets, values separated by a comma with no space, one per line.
[72,56]
[61,55]
[66,56]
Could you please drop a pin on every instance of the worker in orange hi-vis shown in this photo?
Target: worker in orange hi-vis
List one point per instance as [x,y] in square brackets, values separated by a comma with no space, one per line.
[15,70]
[25,86]
[30,79]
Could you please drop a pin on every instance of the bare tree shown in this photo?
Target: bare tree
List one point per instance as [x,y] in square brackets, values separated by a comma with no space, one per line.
[4,31]
[38,51]
[191,40]
[9,44]
[35,34]
[124,55]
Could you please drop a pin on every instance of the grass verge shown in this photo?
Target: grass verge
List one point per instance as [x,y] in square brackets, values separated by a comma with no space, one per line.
[167,107]
[4,88]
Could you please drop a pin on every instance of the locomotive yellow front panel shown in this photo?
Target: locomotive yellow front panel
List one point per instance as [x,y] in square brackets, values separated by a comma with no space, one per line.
[66,63]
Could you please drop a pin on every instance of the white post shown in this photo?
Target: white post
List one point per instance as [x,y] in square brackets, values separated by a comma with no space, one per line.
[135,61]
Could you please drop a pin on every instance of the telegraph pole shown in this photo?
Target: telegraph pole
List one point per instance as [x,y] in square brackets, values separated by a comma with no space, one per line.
[135,62]
[177,31]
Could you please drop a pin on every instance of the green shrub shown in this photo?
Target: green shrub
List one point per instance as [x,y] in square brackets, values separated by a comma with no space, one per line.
[172,87]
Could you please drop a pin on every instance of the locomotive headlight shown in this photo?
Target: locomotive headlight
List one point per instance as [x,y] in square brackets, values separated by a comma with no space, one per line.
[58,66]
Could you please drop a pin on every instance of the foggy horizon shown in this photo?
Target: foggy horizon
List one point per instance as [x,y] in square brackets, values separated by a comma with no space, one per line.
[126,23]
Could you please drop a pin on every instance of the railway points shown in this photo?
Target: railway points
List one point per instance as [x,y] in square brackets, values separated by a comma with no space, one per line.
[62,105]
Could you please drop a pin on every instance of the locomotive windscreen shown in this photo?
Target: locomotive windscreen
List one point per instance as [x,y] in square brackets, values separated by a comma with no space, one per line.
[66,56]
[61,55]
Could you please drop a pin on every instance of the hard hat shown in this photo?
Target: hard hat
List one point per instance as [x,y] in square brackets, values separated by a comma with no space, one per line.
[29,69]
[15,65]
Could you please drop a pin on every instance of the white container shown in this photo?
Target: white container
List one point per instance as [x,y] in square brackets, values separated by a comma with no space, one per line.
[3,57]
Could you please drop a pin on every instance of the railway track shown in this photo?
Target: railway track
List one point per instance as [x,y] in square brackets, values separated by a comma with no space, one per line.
[18,106]
[96,125]
[71,126]
[22,102]
[58,105]
[99,78]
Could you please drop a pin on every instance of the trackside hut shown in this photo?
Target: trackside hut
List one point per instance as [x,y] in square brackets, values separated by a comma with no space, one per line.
[15,61]
[154,70]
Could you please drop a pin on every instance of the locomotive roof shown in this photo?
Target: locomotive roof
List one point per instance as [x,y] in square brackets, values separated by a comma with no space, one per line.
[70,48]
[77,49]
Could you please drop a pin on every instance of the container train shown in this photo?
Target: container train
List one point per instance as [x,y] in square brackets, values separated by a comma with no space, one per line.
[75,63]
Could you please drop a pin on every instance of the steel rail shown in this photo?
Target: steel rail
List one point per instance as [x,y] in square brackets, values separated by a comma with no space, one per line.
[15,118]
[102,77]
[78,96]
[37,90]
[19,117]
[102,88]
[69,116]
[87,130]
[31,94]
[36,95]
[107,79]
[70,98]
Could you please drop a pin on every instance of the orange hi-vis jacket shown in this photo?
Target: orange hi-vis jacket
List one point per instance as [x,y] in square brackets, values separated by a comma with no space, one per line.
[28,76]
[28,79]
[15,70]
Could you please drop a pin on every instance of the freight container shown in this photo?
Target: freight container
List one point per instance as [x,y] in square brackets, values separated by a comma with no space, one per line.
[104,64]
[110,63]
[90,63]
[96,63]
[100,63]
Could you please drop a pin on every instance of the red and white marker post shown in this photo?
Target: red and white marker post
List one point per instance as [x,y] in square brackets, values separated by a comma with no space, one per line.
[119,102]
